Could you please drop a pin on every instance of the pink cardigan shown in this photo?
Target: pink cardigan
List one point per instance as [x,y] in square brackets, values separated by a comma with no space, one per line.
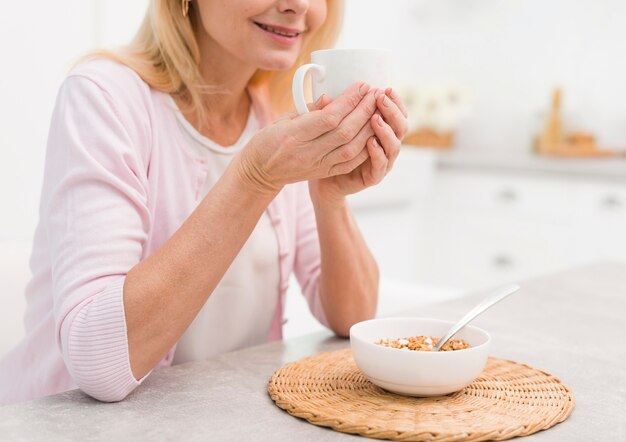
[119,180]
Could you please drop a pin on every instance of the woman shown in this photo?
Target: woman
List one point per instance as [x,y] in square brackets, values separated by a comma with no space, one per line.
[172,213]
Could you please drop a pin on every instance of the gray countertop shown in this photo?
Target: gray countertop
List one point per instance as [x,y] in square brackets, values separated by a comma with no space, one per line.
[601,168]
[571,324]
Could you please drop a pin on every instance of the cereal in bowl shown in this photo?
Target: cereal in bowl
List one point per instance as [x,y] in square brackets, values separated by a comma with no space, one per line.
[423,343]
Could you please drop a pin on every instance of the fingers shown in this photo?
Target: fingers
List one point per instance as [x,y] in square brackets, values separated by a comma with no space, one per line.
[388,140]
[314,124]
[351,125]
[349,166]
[321,103]
[378,163]
[392,114]
[395,97]
[348,152]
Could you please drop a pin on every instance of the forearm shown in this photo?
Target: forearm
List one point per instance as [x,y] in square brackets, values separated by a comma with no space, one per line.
[163,294]
[348,286]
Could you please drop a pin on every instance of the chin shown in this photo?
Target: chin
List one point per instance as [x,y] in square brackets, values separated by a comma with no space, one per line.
[278,62]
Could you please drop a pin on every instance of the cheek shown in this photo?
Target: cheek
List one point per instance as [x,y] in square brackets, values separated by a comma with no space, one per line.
[316,15]
[222,21]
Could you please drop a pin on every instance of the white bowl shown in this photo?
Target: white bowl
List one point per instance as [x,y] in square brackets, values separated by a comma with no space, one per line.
[417,373]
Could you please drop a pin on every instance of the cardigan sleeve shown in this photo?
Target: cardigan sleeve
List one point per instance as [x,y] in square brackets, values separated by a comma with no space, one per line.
[94,206]
[307,266]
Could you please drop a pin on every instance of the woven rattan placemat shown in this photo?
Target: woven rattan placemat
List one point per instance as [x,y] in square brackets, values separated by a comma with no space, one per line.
[508,399]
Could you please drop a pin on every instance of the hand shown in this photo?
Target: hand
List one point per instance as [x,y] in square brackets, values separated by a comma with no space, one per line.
[394,114]
[325,142]
[389,125]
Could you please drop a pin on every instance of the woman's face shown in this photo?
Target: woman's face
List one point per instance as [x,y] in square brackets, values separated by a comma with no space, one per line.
[267,34]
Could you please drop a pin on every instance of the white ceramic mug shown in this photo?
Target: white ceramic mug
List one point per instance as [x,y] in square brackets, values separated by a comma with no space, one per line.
[334,70]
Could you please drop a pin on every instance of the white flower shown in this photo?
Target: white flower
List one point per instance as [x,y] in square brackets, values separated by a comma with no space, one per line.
[435,107]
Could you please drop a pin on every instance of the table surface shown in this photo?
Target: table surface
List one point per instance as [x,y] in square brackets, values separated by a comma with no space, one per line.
[570,324]
[610,169]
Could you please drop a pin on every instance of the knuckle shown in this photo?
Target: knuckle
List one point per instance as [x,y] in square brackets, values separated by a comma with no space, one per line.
[353,100]
[342,169]
[334,170]
[344,134]
[404,128]
[366,109]
[348,152]
[397,146]
[371,106]
[329,121]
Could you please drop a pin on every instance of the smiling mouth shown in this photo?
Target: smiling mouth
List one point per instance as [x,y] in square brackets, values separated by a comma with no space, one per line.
[277,31]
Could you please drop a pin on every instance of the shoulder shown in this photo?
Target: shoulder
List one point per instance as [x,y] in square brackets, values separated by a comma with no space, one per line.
[115,85]
[102,87]
[112,77]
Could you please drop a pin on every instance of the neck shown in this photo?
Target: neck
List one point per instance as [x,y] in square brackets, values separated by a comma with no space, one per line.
[229,105]
[229,75]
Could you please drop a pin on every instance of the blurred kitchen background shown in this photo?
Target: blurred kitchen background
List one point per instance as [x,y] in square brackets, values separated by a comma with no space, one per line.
[514,167]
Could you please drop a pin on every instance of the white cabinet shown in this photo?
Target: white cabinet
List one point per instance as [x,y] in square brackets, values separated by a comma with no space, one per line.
[485,228]
[387,213]
[600,212]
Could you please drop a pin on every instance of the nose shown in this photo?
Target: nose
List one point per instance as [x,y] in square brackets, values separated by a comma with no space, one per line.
[293,6]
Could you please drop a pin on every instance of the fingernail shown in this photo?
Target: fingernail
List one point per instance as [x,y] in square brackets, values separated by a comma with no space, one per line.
[319,100]
[375,143]
[393,93]
[364,88]
[386,101]
[380,121]
[379,93]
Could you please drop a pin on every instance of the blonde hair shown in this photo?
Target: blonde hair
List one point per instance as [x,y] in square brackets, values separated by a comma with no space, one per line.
[165,54]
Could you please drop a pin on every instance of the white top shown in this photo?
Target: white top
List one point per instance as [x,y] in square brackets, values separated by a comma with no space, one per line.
[240,310]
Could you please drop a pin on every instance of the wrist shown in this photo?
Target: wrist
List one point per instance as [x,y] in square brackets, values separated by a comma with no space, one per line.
[251,178]
[325,197]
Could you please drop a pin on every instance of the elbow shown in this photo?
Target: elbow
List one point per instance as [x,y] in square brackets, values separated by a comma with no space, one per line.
[341,324]
[104,381]
[342,328]
[104,396]
[95,347]
[100,369]
[342,316]
[341,333]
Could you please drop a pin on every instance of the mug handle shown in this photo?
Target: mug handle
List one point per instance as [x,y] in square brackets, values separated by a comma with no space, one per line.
[297,87]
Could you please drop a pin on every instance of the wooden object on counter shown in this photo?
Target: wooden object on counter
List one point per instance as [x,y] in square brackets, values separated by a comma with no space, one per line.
[507,400]
[429,138]
[553,141]
[553,132]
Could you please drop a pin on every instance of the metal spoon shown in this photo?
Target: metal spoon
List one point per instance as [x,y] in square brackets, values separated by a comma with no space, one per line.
[499,295]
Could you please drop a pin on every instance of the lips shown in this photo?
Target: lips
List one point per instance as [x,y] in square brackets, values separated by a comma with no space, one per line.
[279,30]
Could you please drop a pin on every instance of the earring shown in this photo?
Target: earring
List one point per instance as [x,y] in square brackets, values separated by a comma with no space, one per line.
[185,7]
